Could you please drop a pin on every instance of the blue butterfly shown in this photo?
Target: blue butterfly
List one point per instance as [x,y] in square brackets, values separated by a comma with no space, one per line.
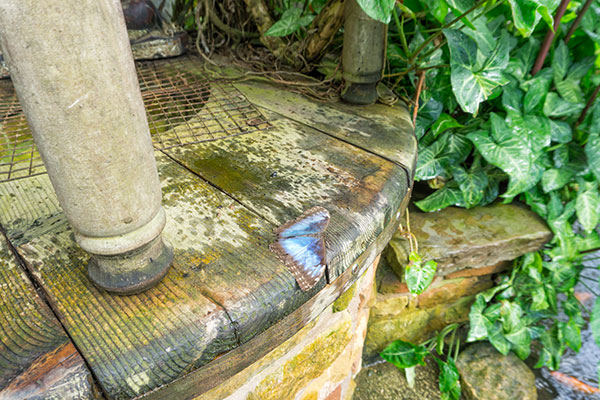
[301,247]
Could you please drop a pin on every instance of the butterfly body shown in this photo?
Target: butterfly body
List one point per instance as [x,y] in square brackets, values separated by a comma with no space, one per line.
[301,247]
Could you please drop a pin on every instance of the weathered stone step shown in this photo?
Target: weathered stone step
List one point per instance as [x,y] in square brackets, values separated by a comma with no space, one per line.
[470,246]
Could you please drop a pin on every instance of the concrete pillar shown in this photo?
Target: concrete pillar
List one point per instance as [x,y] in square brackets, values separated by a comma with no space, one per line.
[363,55]
[72,67]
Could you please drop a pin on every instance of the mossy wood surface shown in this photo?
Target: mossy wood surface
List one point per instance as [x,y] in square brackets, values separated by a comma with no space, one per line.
[228,300]
[379,129]
[37,358]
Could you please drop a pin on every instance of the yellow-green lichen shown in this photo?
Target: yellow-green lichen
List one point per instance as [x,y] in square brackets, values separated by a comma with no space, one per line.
[311,362]
[342,302]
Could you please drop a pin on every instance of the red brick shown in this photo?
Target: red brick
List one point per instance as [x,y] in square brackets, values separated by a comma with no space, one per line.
[336,394]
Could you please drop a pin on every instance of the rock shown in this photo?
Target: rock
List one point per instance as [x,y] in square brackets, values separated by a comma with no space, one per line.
[384,381]
[458,239]
[486,374]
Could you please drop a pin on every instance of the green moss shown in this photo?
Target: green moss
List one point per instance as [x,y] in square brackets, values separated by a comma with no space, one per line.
[309,364]
[342,302]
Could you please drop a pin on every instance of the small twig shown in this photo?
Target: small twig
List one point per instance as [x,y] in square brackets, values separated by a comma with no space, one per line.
[539,61]
[587,107]
[417,95]
[449,24]
[575,24]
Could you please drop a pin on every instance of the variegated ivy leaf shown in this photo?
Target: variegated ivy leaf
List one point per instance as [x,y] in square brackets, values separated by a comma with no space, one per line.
[473,83]
[512,155]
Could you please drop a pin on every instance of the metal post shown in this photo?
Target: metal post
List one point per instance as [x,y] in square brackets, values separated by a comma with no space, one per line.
[71,65]
[362,55]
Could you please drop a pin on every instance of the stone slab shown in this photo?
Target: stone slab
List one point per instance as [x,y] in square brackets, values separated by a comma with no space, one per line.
[485,374]
[458,238]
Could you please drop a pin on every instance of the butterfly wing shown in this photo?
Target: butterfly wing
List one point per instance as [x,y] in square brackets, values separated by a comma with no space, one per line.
[312,221]
[305,258]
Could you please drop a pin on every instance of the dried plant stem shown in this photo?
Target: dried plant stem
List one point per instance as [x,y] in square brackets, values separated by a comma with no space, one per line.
[417,95]
[539,62]
[575,23]
[588,105]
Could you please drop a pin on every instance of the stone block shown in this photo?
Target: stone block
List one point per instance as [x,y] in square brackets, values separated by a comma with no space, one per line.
[489,270]
[448,290]
[460,239]
[410,323]
[488,375]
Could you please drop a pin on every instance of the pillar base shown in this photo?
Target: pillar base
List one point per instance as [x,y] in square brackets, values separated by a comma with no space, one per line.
[360,93]
[132,272]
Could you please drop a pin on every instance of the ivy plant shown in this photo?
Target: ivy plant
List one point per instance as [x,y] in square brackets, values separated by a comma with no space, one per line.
[492,127]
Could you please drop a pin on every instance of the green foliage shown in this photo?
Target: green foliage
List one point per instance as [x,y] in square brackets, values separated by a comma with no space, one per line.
[380,10]
[404,354]
[407,356]
[488,128]
[294,15]
[419,276]
[291,20]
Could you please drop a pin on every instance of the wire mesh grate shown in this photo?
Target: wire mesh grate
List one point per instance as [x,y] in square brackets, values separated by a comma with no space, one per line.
[182,108]
[18,156]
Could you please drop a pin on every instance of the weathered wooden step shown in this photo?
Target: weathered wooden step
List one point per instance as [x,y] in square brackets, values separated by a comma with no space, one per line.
[228,300]
[37,358]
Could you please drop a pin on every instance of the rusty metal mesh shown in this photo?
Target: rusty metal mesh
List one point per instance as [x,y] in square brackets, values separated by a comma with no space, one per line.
[181,106]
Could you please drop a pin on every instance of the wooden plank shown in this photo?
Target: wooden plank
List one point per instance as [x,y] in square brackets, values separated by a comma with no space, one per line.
[281,172]
[214,297]
[28,207]
[383,130]
[37,359]
[224,367]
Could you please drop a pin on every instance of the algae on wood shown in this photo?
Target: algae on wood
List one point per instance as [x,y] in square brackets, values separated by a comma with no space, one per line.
[37,359]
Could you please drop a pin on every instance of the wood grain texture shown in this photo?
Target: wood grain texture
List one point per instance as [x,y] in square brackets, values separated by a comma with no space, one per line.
[378,128]
[37,359]
[290,168]
[228,300]
[224,367]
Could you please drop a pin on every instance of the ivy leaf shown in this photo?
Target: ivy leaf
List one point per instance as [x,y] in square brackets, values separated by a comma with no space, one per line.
[587,206]
[555,106]
[432,160]
[472,85]
[428,114]
[441,198]
[449,379]
[512,99]
[560,62]
[560,131]
[555,178]
[523,59]
[527,14]
[477,329]
[291,20]
[444,123]
[496,337]
[515,330]
[379,10]
[512,155]
[580,68]
[592,152]
[552,349]
[404,354]
[457,149]
[471,184]
[570,90]
[572,334]
[419,276]
[537,89]
[438,8]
